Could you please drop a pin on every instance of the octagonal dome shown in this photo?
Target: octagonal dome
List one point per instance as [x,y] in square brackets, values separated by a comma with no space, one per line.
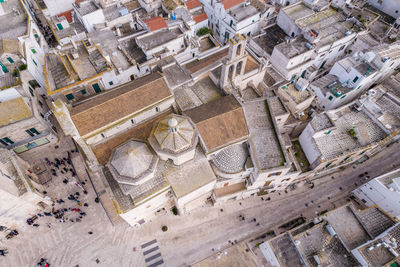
[132,161]
[175,133]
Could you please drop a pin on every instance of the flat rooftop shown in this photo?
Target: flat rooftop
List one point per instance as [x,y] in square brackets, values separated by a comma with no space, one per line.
[74,65]
[297,11]
[339,140]
[133,51]
[14,22]
[330,84]
[154,39]
[86,7]
[74,28]
[198,65]
[273,36]
[191,175]
[293,48]
[176,76]
[294,94]
[243,12]
[321,122]
[263,136]
[329,24]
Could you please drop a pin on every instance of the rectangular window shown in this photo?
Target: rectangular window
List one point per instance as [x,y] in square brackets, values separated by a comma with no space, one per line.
[32,132]
[330,98]
[303,74]
[40,103]
[327,165]
[31,92]
[33,51]
[157,109]
[36,35]
[10,60]
[342,47]
[343,96]
[59,26]
[355,79]
[83,92]
[111,83]
[267,14]
[69,96]
[293,77]
[7,140]
[34,61]
[5,70]
[96,87]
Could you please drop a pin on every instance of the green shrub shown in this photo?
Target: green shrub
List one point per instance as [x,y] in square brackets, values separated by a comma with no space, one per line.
[204,31]
[22,67]
[164,228]
[174,210]
[15,73]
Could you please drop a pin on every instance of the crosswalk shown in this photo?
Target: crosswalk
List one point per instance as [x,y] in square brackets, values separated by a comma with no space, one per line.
[152,254]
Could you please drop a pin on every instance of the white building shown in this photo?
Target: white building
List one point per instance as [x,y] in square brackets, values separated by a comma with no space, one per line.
[390,7]
[353,75]
[230,17]
[383,191]
[317,36]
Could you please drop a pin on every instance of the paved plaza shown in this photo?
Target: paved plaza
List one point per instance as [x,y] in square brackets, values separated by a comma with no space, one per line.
[190,238]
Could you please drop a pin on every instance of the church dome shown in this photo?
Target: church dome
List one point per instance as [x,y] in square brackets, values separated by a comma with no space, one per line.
[174,133]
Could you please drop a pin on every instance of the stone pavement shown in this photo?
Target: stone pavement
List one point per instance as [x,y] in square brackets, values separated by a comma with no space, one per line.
[190,238]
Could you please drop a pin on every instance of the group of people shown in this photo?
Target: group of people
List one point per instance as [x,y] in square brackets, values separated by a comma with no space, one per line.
[61,165]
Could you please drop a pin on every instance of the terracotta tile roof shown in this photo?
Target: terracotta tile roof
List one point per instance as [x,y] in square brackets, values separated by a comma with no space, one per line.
[231,3]
[67,15]
[192,4]
[220,122]
[118,103]
[200,17]
[156,23]
[142,131]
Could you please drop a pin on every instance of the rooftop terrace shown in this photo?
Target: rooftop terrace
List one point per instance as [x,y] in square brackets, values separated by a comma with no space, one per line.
[14,22]
[331,84]
[294,48]
[74,65]
[273,36]
[294,94]
[12,107]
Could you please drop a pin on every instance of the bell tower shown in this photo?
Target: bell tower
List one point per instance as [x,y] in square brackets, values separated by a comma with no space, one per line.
[234,64]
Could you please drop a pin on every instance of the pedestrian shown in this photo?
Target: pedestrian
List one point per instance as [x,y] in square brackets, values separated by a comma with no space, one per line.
[86,205]
[90,233]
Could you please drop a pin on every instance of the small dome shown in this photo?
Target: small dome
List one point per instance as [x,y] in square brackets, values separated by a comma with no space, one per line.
[172,123]
[174,133]
[132,159]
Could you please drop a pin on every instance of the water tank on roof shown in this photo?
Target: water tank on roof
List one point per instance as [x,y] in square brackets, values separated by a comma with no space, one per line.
[330,230]
[124,11]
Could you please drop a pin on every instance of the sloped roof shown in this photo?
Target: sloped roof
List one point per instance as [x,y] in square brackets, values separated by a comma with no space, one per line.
[13,110]
[220,122]
[231,3]
[67,15]
[156,23]
[200,18]
[192,4]
[118,103]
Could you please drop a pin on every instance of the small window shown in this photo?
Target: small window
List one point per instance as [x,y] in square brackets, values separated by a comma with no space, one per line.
[355,79]
[157,109]
[363,200]
[342,47]
[343,96]
[33,51]
[70,96]
[359,87]
[267,14]
[10,60]
[111,83]
[34,61]
[40,103]
[329,164]
[303,74]
[330,98]
[102,135]
[132,121]
[96,87]
[83,92]
[7,140]
[31,92]
[36,35]
[59,26]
